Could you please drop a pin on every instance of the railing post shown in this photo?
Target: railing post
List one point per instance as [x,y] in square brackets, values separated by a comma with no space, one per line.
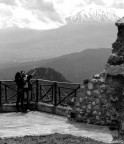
[5,93]
[40,91]
[37,91]
[75,94]
[55,94]
[0,95]
[31,94]
[59,93]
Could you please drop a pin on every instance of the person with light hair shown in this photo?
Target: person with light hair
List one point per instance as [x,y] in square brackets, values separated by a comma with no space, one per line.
[27,89]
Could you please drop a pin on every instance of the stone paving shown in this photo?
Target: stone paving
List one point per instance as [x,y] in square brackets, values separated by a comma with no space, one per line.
[37,123]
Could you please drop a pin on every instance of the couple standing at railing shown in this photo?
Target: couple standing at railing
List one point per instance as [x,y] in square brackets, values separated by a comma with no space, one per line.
[23,89]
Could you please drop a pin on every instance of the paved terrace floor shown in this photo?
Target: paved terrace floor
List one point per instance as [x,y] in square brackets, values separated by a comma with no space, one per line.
[37,123]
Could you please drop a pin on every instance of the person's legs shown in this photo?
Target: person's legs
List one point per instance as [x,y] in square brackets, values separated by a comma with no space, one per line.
[22,100]
[18,100]
[24,109]
[28,99]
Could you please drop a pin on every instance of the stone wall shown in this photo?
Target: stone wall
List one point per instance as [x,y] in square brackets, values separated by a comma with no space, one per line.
[101,99]
[96,103]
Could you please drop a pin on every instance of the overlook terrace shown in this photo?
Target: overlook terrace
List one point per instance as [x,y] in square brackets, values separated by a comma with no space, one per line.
[52,93]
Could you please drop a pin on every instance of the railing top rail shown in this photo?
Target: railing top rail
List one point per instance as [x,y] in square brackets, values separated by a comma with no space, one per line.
[68,83]
[69,88]
[6,80]
[45,81]
[57,82]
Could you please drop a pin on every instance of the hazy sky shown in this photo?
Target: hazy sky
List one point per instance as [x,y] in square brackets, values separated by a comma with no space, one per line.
[44,14]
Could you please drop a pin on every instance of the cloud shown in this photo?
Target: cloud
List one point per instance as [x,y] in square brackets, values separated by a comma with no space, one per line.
[118,4]
[5,15]
[109,3]
[66,6]
[88,2]
[43,8]
[42,5]
[82,3]
[8,2]
[36,14]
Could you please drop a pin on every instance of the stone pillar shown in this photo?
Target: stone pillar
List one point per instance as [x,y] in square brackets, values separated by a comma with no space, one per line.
[101,98]
[115,70]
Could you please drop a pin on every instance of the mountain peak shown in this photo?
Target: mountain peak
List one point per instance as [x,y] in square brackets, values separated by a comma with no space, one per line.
[95,14]
[47,74]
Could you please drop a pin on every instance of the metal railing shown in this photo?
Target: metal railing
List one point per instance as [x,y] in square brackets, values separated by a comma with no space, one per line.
[52,92]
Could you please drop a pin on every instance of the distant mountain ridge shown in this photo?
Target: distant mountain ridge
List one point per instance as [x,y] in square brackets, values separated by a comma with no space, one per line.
[81,65]
[47,74]
[75,67]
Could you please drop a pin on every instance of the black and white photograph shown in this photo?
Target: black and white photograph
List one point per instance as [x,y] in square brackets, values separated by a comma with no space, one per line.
[61,71]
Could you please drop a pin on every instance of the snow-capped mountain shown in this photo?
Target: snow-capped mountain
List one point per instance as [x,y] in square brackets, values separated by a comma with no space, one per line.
[93,14]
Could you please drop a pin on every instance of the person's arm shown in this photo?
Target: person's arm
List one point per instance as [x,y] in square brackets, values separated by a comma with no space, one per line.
[34,72]
[31,75]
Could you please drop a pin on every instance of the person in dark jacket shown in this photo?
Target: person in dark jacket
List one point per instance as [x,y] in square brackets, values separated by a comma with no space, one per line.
[20,90]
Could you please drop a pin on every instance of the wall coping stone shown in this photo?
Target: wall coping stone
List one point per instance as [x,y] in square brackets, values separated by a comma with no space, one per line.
[43,107]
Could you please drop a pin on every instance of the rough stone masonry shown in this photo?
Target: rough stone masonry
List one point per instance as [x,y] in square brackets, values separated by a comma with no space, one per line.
[100,99]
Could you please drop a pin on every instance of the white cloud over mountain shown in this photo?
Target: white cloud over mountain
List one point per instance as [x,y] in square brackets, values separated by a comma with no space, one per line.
[33,14]
[44,14]
[8,2]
